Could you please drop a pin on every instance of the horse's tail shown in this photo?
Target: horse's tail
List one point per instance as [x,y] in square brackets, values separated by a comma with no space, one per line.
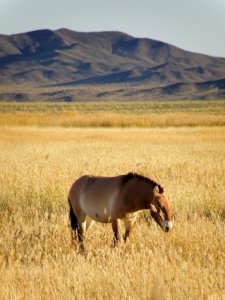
[72,216]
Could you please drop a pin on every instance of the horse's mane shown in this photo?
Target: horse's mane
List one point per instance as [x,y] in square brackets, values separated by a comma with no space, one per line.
[131,175]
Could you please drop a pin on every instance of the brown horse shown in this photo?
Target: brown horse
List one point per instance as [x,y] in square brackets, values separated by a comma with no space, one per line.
[110,199]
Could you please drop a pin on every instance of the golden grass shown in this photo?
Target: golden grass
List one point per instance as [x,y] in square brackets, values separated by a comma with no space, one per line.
[112,114]
[37,167]
[109,119]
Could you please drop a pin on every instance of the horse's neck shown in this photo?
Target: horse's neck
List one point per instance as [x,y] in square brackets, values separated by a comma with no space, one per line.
[143,196]
[147,197]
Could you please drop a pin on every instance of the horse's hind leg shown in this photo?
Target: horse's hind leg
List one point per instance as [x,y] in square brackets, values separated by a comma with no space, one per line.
[81,233]
[89,223]
[78,226]
[73,223]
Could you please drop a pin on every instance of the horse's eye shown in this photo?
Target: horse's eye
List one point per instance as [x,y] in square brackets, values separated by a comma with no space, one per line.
[159,206]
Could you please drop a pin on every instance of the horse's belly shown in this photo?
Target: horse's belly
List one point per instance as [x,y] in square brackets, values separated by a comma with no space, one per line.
[96,211]
[99,216]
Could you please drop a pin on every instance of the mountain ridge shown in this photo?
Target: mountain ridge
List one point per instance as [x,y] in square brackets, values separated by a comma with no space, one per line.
[66,58]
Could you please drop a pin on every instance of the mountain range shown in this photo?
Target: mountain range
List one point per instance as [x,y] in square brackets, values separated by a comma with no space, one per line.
[63,63]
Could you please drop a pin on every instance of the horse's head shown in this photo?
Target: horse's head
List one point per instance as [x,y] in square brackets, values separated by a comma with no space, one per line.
[160,210]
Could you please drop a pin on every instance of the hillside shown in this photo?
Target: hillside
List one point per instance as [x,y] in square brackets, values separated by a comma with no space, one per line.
[118,64]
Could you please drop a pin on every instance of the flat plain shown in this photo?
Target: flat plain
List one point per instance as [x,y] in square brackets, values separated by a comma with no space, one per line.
[38,164]
[114,114]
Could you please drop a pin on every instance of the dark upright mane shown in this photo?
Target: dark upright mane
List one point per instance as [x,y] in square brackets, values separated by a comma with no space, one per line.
[131,175]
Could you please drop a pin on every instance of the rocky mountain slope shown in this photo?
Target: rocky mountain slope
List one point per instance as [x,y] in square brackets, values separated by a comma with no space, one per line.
[65,58]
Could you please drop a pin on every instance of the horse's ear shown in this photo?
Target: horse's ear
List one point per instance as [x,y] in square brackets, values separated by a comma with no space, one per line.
[156,190]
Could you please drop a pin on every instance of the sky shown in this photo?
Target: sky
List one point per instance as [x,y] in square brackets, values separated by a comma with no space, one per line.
[194,25]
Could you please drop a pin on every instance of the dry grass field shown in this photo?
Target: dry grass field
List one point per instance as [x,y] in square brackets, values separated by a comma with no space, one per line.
[39,164]
[114,114]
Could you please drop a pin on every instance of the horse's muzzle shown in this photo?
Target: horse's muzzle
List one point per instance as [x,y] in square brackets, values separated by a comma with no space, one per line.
[166,229]
[167,225]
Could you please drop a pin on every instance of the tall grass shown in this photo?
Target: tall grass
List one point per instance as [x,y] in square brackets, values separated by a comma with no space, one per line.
[37,167]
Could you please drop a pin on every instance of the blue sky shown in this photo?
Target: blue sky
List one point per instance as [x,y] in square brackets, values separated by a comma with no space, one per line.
[195,25]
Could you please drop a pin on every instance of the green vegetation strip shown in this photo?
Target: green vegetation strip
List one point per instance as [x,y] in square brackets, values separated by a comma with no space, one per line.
[209,107]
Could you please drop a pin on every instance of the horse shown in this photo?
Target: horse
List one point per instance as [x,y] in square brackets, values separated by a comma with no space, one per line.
[110,199]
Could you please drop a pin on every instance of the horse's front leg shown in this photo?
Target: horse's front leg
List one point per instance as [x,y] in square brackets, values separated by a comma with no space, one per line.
[128,224]
[115,228]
